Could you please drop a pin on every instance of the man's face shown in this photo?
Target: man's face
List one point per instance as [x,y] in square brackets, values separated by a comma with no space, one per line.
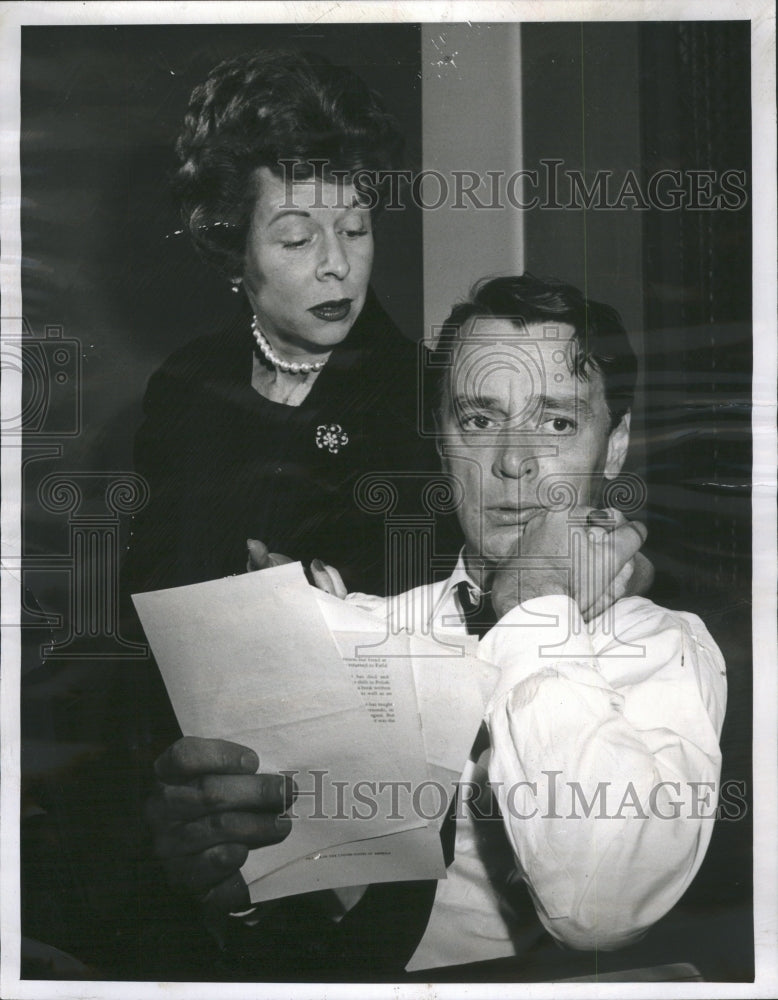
[517,428]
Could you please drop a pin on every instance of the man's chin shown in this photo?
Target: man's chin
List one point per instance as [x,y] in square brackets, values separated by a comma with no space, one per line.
[502,543]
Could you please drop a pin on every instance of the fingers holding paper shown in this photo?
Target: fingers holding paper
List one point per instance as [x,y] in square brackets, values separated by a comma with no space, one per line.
[258,556]
[328,579]
[212,794]
[322,576]
[209,809]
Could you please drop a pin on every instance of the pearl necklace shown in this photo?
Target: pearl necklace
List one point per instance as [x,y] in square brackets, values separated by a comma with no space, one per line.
[295,367]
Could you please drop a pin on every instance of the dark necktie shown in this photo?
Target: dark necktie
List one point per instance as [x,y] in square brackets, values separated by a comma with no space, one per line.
[478,614]
[385,927]
[479,618]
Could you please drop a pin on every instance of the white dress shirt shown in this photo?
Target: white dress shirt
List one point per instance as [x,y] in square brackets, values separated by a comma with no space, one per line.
[604,761]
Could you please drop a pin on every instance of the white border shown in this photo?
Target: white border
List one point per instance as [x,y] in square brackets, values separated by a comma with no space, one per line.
[367,11]
[765,553]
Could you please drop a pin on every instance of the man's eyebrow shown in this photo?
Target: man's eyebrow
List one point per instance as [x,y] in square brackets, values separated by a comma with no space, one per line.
[537,403]
[569,404]
[464,399]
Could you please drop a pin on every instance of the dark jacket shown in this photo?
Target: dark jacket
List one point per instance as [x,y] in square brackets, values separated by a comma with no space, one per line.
[224,464]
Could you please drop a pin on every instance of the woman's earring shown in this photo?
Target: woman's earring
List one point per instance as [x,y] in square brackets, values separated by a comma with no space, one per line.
[236,284]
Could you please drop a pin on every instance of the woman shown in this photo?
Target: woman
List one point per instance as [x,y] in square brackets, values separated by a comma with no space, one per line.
[261,431]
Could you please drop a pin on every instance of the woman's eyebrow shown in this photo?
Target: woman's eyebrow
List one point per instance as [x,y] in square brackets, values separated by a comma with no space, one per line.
[284,212]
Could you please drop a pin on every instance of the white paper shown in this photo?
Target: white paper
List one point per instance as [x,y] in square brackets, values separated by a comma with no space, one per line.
[265,660]
[250,659]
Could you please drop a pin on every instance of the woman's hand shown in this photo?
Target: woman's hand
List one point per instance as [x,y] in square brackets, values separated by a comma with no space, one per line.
[328,579]
[325,577]
[210,808]
[260,558]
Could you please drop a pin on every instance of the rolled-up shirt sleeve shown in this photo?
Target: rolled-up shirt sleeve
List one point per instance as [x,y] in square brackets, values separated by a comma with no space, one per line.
[605,760]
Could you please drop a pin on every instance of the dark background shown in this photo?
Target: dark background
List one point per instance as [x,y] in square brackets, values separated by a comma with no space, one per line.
[100,109]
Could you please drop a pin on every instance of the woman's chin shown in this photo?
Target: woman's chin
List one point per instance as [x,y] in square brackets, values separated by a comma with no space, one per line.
[320,337]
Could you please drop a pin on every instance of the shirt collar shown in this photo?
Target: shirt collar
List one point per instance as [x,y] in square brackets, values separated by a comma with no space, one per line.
[458,575]
[443,606]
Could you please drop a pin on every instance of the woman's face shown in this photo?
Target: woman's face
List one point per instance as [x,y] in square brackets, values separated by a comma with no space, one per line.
[309,254]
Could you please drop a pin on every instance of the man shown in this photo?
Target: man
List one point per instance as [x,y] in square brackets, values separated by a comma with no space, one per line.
[600,747]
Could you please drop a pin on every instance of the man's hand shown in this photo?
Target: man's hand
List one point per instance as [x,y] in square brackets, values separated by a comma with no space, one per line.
[209,809]
[640,581]
[590,556]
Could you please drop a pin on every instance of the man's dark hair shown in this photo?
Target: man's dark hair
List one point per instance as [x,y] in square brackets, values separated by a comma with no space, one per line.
[601,341]
[261,108]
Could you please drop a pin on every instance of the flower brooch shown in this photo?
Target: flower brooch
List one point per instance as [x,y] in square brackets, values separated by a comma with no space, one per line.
[332,437]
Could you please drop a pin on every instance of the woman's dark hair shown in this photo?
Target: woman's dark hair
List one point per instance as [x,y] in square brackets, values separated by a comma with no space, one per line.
[601,341]
[260,108]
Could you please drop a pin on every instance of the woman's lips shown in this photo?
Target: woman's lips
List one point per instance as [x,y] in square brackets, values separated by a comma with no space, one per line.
[332,311]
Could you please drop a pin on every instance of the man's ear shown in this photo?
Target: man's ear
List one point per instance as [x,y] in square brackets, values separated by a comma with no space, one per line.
[618,443]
